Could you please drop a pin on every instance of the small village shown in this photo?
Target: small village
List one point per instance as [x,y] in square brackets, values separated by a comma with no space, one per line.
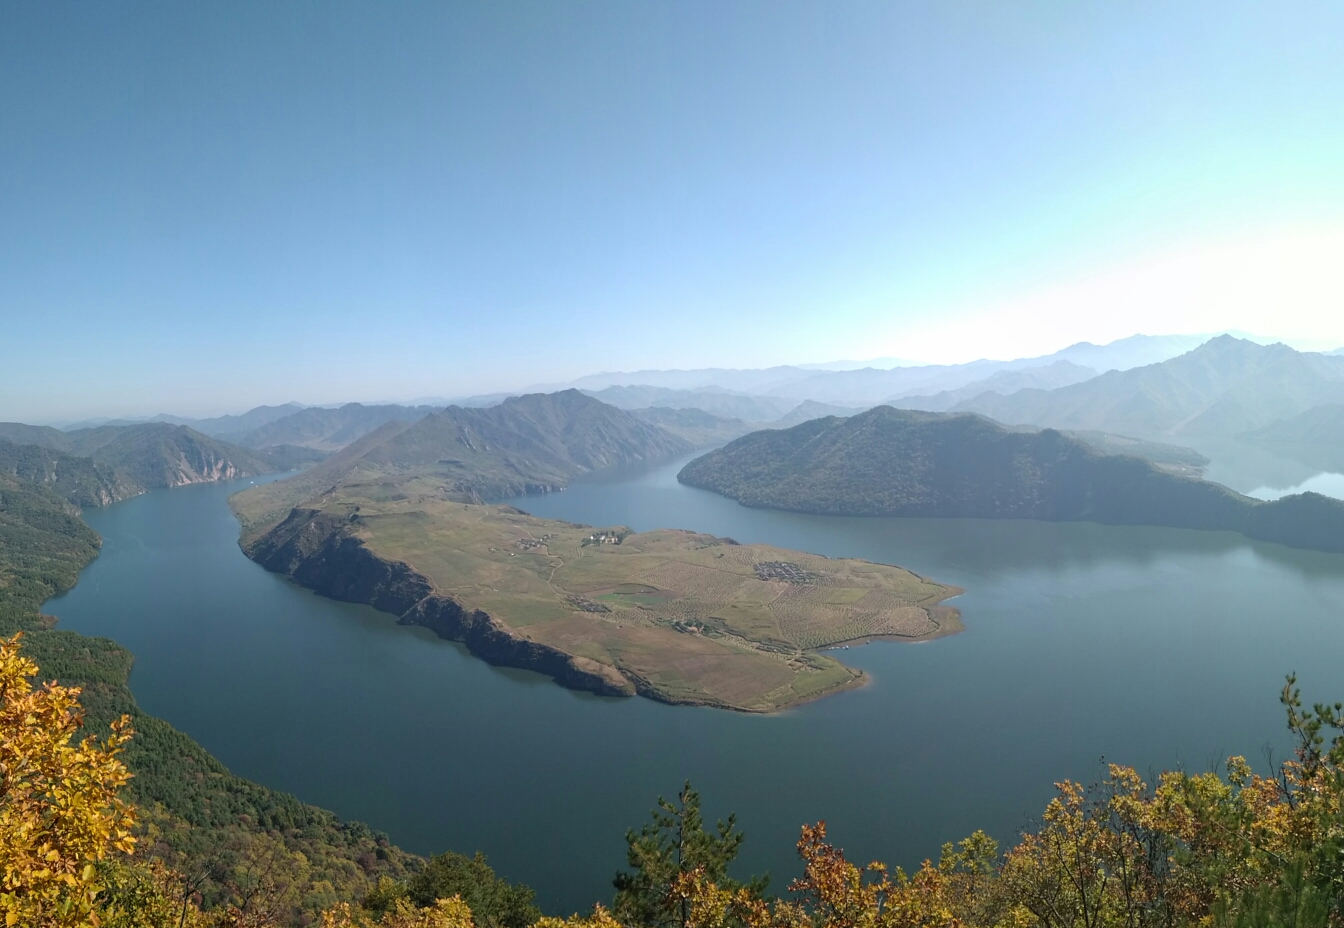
[782,570]
[605,538]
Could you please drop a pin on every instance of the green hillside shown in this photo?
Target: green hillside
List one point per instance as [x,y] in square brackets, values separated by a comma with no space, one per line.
[144,456]
[76,480]
[889,462]
[526,444]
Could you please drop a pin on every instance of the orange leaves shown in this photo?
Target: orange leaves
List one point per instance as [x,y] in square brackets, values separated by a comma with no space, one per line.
[59,807]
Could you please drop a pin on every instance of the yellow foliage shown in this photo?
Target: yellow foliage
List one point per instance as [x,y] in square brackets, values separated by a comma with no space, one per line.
[60,814]
[444,913]
[600,918]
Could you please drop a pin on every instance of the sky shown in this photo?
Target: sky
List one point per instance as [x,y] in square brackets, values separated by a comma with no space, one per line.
[204,207]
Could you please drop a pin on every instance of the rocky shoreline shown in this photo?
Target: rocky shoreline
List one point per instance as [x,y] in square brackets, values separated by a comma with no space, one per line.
[320,551]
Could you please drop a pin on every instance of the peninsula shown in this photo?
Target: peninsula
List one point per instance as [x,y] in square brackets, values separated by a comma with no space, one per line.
[396,521]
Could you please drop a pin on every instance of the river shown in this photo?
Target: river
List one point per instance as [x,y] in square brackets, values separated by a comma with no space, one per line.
[1153,647]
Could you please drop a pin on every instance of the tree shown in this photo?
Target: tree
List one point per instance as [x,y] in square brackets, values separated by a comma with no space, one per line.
[494,902]
[60,812]
[443,913]
[672,846]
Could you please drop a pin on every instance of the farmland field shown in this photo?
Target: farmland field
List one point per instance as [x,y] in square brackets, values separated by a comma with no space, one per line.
[686,617]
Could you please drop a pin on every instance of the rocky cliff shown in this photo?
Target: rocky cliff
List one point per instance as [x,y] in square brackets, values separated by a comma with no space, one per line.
[324,552]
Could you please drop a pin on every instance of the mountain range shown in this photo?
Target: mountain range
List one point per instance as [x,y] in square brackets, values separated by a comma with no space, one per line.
[890,462]
[326,429]
[726,404]
[1004,383]
[1223,388]
[527,444]
[124,461]
[864,385]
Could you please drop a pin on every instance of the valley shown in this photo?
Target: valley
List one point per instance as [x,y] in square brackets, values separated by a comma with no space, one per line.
[445,615]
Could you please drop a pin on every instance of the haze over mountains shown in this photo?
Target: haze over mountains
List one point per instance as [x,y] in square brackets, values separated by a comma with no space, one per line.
[890,462]
[1224,388]
[878,382]
[124,461]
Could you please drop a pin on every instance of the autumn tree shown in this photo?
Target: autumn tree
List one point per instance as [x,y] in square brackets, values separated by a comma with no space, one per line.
[443,913]
[60,812]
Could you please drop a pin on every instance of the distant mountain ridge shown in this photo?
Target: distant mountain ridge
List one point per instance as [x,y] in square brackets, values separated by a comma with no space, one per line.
[723,403]
[135,458]
[696,426]
[326,429]
[1005,383]
[893,462]
[864,384]
[1225,387]
[533,443]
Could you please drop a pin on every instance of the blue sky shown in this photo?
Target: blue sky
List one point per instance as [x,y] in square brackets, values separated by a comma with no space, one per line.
[208,206]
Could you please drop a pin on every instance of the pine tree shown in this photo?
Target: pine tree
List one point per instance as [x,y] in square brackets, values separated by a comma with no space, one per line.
[673,844]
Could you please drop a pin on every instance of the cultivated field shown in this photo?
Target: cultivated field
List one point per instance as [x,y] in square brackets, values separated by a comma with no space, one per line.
[689,618]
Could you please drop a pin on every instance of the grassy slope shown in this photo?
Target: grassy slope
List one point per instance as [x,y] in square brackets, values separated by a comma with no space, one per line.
[203,818]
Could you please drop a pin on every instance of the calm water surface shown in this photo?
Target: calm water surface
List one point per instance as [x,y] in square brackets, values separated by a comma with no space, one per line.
[1149,646]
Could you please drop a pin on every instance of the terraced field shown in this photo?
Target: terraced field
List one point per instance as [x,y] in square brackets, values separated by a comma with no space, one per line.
[685,617]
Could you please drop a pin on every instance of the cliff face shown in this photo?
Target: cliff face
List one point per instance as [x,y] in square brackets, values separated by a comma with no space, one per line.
[322,551]
[77,480]
[94,467]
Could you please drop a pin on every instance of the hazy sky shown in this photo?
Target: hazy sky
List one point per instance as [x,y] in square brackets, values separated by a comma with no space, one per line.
[208,206]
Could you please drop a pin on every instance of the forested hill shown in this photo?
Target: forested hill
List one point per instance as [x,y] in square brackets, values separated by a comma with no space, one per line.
[129,459]
[78,481]
[889,462]
[532,443]
[536,441]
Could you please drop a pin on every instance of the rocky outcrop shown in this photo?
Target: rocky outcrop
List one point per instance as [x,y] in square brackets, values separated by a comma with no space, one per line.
[496,643]
[323,552]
